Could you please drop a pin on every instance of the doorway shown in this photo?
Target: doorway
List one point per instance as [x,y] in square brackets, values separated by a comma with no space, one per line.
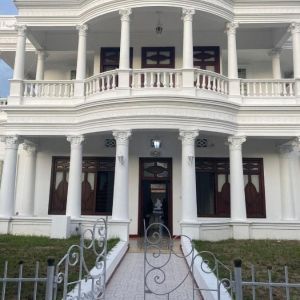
[155,201]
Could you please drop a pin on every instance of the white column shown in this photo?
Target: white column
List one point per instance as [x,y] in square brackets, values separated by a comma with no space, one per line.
[237,190]
[121,197]
[188,175]
[125,39]
[288,159]
[295,31]
[27,205]
[124,63]
[81,53]
[40,67]
[234,82]
[74,188]
[188,56]
[7,192]
[275,54]
[20,53]
[232,52]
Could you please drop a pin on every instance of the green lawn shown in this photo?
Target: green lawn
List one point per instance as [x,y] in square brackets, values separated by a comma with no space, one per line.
[31,249]
[262,254]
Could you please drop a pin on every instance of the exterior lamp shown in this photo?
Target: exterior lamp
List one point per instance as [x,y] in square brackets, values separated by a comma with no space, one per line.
[156,143]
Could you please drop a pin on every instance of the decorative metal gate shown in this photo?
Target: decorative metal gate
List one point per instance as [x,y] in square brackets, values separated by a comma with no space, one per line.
[80,274]
[160,249]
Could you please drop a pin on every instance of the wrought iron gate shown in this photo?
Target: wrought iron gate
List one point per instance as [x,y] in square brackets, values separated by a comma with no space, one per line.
[72,277]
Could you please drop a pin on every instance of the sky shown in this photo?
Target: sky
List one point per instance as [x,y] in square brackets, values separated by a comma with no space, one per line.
[6,8]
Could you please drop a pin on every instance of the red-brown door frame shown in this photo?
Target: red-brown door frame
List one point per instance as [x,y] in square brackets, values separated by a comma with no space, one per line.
[170,195]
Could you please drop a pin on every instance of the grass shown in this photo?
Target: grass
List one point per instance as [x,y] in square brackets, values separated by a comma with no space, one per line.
[262,254]
[15,249]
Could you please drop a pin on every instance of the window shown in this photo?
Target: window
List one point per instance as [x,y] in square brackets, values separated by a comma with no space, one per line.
[158,57]
[207,58]
[110,58]
[213,187]
[97,185]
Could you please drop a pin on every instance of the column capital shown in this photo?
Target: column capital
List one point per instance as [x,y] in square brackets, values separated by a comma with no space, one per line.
[11,141]
[122,136]
[21,29]
[41,53]
[275,52]
[294,28]
[125,14]
[29,147]
[290,147]
[187,14]
[231,27]
[188,136]
[235,142]
[75,140]
[82,29]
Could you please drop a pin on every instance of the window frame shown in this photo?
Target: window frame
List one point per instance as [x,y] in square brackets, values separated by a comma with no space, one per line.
[171,65]
[117,52]
[98,167]
[225,170]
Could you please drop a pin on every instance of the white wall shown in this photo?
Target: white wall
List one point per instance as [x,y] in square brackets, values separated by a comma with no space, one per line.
[171,148]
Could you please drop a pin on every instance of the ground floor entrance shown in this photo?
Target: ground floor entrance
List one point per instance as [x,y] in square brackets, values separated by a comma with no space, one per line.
[155,201]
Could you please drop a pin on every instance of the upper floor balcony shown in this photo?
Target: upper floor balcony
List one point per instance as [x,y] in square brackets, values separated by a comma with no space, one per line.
[155,51]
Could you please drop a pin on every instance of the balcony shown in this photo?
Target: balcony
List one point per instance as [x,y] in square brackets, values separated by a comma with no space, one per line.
[196,83]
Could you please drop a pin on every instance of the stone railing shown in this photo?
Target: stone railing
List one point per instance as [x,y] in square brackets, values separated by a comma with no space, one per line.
[48,89]
[156,78]
[143,81]
[211,81]
[100,83]
[267,88]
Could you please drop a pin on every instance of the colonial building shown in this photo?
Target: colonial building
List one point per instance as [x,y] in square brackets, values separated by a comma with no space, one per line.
[182,112]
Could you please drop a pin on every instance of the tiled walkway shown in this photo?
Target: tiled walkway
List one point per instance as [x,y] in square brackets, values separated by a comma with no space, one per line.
[128,281]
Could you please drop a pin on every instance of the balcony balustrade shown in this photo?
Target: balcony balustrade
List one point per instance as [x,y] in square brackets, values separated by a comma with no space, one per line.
[267,88]
[49,89]
[146,81]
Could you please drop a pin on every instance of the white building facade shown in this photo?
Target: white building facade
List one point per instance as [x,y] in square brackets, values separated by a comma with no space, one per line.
[115,105]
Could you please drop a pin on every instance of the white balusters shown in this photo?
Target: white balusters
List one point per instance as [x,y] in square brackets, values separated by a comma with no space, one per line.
[267,88]
[48,89]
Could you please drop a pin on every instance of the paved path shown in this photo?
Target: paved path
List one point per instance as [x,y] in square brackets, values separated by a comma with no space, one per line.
[127,282]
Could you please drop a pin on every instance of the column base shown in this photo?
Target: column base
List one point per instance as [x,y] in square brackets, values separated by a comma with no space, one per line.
[5,225]
[190,229]
[240,231]
[119,229]
[60,227]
